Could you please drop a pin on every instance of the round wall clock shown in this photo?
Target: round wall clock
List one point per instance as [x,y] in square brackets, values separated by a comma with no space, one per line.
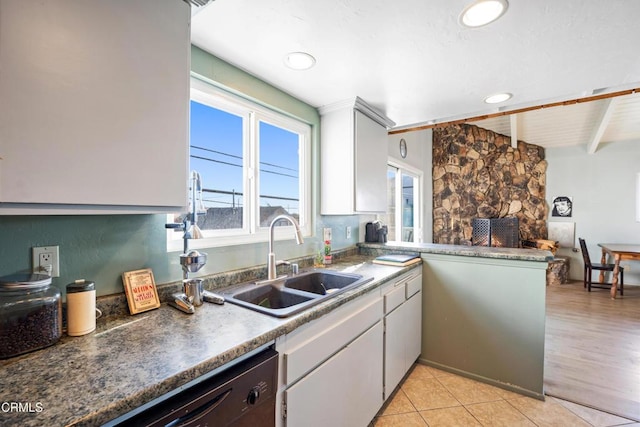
[403,148]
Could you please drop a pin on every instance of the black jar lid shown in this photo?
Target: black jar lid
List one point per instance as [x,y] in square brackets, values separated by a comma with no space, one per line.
[24,281]
[81,285]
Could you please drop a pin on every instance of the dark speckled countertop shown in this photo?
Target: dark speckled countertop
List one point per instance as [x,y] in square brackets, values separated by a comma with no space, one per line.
[522,254]
[130,360]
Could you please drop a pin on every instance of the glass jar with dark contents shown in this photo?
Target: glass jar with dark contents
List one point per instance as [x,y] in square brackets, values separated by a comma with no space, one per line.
[30,314]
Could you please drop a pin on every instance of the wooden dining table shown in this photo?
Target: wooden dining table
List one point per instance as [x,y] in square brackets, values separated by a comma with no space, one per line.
[618,252]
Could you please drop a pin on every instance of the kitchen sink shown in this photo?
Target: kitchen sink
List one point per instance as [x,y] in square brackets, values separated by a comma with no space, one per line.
[285,297]
[324,282]
[272,299]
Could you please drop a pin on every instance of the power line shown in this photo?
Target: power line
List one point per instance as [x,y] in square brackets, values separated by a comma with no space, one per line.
[215,161]
[235,193]
[240,157]
[217,152]
[239,166]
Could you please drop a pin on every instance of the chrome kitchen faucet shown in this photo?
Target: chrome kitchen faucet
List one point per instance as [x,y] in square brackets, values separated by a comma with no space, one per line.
[271,261]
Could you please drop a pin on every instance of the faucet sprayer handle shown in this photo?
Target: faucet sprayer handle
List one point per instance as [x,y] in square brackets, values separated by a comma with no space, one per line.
[197,204]
[175,225]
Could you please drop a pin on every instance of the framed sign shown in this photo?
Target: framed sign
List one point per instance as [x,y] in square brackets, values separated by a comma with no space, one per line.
[562,206]
[141,291]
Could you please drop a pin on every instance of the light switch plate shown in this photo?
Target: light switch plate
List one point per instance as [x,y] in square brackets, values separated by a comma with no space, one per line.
[327,234]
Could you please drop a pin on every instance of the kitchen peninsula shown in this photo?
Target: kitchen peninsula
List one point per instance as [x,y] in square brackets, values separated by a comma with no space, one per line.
[483,317]
[483,311]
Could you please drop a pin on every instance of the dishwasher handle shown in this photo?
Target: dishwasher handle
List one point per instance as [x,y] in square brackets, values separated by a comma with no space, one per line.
[201,412]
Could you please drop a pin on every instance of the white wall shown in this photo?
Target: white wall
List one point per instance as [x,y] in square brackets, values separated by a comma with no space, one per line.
[419,155]
[602,186]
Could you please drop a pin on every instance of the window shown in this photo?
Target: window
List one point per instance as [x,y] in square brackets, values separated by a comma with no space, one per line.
[403,212]
[254,164]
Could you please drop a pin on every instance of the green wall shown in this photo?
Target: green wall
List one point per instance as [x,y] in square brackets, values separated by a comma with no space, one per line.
[102,247]
[485,318]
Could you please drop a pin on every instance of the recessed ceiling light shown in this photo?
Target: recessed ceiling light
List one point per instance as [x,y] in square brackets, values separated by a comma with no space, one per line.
[299,60]
[482,12]
[497,98]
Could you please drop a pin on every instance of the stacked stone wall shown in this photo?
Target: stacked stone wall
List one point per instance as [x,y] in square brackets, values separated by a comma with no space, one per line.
[477,174]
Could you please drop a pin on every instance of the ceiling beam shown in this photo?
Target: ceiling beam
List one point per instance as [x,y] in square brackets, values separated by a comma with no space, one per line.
[520,110]
[513,119]
[601,125]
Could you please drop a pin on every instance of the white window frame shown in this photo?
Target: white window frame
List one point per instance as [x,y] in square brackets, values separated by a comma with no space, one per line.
[417,200]
[253,113]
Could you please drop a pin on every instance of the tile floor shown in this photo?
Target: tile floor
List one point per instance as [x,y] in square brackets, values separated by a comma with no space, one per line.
[431,397]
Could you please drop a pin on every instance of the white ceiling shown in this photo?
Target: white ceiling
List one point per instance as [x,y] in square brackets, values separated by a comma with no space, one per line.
[413,61]
[588,123]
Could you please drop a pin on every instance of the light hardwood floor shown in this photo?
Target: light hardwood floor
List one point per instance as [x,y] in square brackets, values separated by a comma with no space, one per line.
[592,354]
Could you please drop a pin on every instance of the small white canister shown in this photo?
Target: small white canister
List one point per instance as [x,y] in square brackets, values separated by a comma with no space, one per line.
[81,308]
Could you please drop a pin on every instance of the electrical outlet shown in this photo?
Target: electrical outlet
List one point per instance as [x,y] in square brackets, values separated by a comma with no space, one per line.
[327,234]
[348,232]
[44,256]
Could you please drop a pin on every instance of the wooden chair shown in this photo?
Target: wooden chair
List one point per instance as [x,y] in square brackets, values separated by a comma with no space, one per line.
[589,267]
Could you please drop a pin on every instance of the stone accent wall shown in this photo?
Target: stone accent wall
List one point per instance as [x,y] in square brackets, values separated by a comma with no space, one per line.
[477,174]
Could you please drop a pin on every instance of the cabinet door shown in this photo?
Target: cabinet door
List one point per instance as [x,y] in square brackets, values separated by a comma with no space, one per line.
[346,390]
[94,103]
[305,351]
[413,329]
[337,192]
[370,165]
[403,330]
[394,349]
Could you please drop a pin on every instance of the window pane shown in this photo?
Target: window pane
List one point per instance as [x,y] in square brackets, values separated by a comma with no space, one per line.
[390,217]
[216,153]
[407,208]
[279,173]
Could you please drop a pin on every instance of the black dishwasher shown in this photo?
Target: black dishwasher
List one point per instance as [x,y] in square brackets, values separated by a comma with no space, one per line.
[243,395]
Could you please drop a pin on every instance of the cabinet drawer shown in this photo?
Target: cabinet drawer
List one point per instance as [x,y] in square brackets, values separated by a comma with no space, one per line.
[414,285]
[311,352]
[394,297]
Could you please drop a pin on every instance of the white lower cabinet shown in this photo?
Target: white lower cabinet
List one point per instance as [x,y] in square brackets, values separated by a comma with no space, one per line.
[413,343]
[394,365]
[334,370]
[402,328]
[331,368]
[344,390]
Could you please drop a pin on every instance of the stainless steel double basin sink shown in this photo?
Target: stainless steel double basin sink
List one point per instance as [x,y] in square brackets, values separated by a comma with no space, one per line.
[290,295]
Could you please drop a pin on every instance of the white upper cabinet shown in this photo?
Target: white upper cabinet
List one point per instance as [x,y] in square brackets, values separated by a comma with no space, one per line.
[353,158]
[94,106]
